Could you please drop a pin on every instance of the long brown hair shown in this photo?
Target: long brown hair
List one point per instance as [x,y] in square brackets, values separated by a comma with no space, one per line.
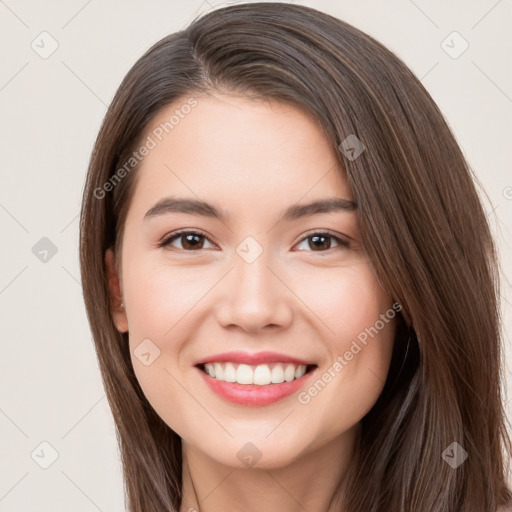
[421,222]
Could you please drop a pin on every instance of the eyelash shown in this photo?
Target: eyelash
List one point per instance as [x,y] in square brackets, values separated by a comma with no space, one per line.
[343,243]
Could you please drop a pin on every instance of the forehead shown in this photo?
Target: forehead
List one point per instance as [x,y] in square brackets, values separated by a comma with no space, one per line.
[238,151]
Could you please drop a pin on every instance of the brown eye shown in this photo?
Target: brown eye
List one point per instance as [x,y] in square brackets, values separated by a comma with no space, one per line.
[189,240]
[321,242]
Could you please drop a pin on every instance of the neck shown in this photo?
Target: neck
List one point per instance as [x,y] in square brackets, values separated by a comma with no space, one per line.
[311,481]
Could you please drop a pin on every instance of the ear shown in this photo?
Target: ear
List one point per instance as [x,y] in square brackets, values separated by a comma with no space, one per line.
[116,294]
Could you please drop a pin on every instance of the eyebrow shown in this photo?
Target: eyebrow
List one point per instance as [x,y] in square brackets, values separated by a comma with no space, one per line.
[201,208]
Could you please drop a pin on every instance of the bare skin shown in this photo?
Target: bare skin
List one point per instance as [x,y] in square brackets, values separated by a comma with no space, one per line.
[252,160]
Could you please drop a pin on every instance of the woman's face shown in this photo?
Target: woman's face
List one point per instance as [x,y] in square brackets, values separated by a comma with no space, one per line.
[252,281]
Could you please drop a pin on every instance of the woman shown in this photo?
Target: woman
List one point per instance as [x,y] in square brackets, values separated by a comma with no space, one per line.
[290,279]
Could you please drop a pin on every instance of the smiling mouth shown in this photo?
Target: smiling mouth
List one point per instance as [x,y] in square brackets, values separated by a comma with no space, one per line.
[261,374]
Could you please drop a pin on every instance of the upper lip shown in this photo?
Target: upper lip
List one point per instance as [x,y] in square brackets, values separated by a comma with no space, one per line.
[252,358]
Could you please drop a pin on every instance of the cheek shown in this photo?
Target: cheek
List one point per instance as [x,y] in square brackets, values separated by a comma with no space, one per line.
[347,300]
[358,321]
[157,302]
[161,296]
[161,310]
[163,302]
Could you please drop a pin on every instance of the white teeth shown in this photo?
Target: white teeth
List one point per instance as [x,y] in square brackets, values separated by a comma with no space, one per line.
[229,372]
[260,375]
[300,371]
[277,374]
[244,374]
[219,371]
[289,373]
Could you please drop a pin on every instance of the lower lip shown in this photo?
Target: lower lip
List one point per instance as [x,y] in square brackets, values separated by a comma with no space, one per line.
[252,394]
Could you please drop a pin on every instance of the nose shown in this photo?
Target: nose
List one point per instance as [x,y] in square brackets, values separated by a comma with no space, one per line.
[254,297]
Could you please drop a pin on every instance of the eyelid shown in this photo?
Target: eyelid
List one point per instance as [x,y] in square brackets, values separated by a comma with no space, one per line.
[180,232]
[341,239]
[333,234]
[176,234]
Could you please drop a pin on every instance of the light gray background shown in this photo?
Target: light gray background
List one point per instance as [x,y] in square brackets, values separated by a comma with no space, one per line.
[51,109]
